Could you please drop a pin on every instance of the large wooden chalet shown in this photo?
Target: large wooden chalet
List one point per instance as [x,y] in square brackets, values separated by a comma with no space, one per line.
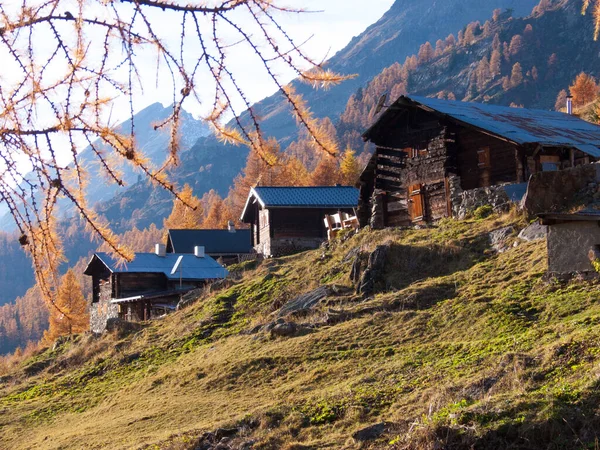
[146,287]
[429,151]
[285,220]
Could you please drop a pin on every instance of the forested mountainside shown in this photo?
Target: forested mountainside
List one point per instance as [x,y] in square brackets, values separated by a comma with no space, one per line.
[504,60]
[16,275]
[152,142]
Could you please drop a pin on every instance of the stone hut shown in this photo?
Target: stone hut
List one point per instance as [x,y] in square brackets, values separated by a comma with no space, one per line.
[573,242]
[147,287]
[433,156]
[285,220]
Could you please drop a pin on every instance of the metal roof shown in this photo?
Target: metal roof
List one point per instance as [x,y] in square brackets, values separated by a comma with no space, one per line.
[214,241]
[192,268]
[518,125]
[303,197]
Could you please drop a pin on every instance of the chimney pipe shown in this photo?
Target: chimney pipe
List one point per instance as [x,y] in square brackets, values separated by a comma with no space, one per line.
[569,104]
[160,250]
[199,251]
[231,226]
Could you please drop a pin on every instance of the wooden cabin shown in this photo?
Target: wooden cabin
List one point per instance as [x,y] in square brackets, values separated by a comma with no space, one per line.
[430,152]
[285,220]
[147,287]
[229,246]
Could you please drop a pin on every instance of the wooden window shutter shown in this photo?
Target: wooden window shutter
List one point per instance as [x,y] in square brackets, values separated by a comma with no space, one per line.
[417,206]
[483,156]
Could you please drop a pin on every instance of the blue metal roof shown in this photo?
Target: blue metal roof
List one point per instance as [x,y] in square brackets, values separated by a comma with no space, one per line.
[214,241]
[518,125]
[343,197]
[192,268]
[309,196]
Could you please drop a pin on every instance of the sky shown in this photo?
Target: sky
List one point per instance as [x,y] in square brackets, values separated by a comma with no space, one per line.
[328,25]
[324,28]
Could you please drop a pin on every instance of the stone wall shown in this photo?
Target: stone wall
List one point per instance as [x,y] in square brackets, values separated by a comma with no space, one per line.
[569,244]
[288,246]
[465,202]
[557,191]
[103,310]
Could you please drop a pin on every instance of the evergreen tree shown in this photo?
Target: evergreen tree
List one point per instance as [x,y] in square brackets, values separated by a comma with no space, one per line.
[70,314]
[187,213]
[495,64]
[349,168]
[584,90]
[516,77]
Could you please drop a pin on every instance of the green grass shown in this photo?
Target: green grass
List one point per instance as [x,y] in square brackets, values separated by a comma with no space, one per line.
[460,347]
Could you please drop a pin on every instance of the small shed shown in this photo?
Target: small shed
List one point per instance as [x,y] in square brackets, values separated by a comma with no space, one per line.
[573,241]
[148,286]
[431,155]
[230,246]
[284,220]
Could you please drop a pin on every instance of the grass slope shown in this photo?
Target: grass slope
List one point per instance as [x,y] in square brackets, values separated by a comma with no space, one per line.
[461,347]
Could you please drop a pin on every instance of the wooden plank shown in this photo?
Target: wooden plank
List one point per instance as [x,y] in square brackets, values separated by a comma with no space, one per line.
[387,173]
[387,185]
[389,163]
[390,152]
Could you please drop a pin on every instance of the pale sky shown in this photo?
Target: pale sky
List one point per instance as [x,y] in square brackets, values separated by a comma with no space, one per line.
[332,26]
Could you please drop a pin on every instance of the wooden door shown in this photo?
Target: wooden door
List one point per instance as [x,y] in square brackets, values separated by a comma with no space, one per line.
[484,164]
[416,201]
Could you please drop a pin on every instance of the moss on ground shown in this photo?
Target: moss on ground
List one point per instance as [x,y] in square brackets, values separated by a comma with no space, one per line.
[461,347]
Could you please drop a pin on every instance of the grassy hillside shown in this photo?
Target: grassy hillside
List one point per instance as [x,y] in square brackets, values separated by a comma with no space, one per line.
[460,346]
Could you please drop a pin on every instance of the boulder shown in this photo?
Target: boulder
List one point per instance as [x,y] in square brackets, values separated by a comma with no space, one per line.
[304,302]
[285,329]
[499,237]
[533,232]
[374,271]
[370,433]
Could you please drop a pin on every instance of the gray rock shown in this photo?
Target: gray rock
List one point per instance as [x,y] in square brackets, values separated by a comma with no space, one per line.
[304,302]
[499,237]
[374,270]
[284,329]
[534,232]
[369,433]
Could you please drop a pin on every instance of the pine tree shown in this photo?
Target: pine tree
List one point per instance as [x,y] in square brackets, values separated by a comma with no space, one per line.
[187,213]
[584,90]
[349,168]
[483,73]
[327,172]
[70,315]
[495,64]
[561,100]
[426,53]
[496,43]
[516,45]
[516,76]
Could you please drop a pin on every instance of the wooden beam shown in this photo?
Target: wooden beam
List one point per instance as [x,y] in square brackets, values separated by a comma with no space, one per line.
[388,185]
[389,152]
[387,173]
[389,163]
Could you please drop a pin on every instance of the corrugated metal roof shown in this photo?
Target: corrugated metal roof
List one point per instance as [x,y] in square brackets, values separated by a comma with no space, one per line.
[192,268]
[519,125]
[303,197]
[309,196]
[214,241]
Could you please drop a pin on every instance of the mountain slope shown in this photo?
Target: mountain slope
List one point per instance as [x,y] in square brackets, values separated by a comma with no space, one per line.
[398,34]
[460,348]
